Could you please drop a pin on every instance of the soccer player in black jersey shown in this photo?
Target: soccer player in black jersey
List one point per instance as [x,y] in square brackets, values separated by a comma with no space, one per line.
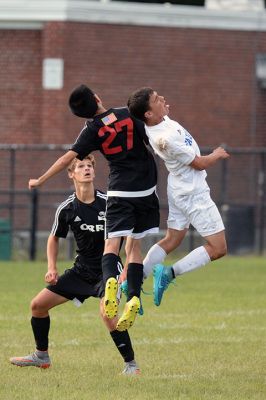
[84,213]
[132,203]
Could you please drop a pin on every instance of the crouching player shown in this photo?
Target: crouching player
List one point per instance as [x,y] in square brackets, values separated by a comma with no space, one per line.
[84,213]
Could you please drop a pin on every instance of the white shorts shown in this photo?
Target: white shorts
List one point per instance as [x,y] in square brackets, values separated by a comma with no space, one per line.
[198,210]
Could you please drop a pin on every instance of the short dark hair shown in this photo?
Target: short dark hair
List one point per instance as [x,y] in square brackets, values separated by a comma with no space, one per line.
[138,102]
[82,102]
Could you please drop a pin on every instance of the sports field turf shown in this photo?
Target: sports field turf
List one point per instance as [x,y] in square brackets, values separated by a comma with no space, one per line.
[206,341]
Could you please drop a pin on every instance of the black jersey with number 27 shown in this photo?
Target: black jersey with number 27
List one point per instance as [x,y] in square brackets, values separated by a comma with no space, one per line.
[123,142]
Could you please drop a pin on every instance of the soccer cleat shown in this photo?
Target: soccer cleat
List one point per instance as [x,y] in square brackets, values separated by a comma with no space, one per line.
[124,290]
[32,360]
[162,277]
[129,315]
[110,298]
[131,368]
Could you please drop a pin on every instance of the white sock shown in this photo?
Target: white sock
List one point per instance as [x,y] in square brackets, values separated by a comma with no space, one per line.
[195,259]
[155,255]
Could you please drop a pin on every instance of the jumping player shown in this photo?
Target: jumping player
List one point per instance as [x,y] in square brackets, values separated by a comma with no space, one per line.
[84,213]
[188,192]
[132,203]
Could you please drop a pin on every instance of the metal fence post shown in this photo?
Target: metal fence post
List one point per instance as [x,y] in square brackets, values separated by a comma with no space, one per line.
[262,201]
[33,224]
[12,185]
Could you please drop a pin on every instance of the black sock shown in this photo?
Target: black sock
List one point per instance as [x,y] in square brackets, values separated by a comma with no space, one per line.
[110,264]
[123,344]
[173,272]
[41,327]
[134,279]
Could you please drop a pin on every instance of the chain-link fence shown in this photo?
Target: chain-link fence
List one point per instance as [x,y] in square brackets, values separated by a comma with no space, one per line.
[238,186]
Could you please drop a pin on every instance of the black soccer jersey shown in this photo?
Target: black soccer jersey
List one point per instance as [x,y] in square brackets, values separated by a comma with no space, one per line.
[87,221]
[122,141]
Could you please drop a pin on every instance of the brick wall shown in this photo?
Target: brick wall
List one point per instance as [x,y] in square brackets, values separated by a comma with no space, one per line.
[207,77]
[20,86]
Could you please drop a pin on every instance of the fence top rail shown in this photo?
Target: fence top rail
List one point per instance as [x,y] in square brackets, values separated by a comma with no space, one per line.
[35,146]
[39,190]
[238,150]
[45,146]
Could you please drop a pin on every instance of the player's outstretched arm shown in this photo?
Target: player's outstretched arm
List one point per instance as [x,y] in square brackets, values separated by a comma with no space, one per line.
[51,275]
[60,164]
[204,162]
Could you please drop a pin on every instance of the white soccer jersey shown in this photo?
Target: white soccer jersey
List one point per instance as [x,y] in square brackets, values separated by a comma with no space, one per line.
[177,148]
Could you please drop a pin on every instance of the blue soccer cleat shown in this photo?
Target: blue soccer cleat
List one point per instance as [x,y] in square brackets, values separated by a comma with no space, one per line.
[162,277]
[124,290]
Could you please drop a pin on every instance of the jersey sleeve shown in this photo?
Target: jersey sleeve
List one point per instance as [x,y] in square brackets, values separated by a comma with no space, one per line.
[60,226]
[183,152]
[84,143]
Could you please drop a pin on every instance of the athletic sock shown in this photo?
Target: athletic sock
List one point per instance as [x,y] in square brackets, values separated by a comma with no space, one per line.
[41,327]
[41,354]
[134,279]
[195,259]
[155,255]
[110,266]
[123,344]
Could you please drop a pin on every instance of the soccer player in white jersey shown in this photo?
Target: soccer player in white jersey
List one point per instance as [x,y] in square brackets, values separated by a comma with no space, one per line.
[187,190]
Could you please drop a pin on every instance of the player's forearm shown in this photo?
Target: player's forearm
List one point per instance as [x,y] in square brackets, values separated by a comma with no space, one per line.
[58,166]
[204,162]
[52,252]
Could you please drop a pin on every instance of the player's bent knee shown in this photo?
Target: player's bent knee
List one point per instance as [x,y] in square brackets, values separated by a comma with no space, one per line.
[170,243]
[219,252]
[36,306]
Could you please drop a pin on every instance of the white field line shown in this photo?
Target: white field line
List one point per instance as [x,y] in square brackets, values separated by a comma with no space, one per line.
[218,327]
[167,341]
[182,376]
[88,315]
[225,313]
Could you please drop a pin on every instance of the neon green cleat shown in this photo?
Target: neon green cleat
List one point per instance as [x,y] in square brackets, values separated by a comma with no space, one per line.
[129,315]
[124,289]
[110,298]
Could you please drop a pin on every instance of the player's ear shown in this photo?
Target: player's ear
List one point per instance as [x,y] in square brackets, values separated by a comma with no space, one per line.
[148,114]
[97,98]
[70,174]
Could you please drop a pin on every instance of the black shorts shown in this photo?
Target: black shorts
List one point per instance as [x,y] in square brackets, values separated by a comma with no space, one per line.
[132,216]
[71,285]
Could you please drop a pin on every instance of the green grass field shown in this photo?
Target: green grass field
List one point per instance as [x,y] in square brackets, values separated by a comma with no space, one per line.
[206,341]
